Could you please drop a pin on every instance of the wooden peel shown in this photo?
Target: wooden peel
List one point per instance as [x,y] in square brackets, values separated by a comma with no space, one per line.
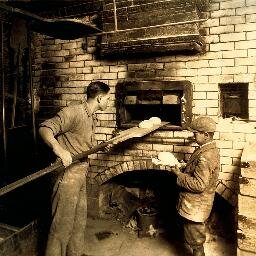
[135,132]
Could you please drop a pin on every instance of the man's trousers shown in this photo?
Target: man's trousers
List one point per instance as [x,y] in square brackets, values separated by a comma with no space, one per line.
[69,213]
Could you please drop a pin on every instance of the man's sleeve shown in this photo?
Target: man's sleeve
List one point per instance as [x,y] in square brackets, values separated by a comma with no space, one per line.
[199,179]
[60,123]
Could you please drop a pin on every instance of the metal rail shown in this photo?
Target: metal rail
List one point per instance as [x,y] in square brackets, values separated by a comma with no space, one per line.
[154,26]
[3,92]
[31,86]
[115,18]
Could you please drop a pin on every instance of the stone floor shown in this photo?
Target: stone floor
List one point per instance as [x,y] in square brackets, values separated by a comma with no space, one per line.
[121,241]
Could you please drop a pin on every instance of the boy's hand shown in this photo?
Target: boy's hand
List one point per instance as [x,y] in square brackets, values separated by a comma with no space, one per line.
[175,169]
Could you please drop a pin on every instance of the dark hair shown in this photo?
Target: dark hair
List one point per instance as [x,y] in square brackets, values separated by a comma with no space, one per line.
[211,134]
[95,88]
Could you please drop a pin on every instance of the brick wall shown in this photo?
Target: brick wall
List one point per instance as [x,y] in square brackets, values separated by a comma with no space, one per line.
[63,68]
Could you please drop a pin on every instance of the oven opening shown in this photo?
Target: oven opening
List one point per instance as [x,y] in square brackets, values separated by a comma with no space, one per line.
[170,113]
[171,101]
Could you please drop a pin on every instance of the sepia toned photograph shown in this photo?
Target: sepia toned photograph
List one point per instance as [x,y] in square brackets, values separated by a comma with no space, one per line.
[128,128]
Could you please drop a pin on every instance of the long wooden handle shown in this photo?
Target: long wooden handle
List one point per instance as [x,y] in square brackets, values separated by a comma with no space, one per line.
[57,166]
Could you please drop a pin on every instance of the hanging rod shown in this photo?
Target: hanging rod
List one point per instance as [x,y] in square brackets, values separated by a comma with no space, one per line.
[115,18]
[154,26]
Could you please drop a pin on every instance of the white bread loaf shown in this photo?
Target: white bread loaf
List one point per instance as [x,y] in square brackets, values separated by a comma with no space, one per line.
[155,120]
[167,158]
[146,124]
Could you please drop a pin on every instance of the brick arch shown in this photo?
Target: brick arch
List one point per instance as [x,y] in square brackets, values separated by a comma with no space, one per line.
[146,164]
[134,165]
[226,192]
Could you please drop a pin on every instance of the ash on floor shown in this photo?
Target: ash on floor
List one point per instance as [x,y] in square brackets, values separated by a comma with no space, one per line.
[110,238]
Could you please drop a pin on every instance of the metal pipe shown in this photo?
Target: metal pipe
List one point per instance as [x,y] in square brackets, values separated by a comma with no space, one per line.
[115,18]
[19,11]
[16,82]
[154,26]
[3,96]
[31,86]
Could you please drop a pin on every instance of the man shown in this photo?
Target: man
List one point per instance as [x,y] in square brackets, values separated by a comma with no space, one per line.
[71,132]
[198,184]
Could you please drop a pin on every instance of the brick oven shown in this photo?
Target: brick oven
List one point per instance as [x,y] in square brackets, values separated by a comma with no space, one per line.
[134,182]
[173,59]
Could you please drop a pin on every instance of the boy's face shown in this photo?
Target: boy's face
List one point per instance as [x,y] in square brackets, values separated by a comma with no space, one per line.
[201,137]
[103,100]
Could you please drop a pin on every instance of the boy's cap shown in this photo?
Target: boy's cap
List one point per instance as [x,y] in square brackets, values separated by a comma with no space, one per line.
[203,124]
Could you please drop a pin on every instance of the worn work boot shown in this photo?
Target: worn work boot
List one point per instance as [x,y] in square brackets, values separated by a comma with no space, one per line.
[199,251]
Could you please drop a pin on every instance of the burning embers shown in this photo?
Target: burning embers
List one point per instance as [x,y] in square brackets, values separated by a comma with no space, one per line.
[137,201]
[171,101]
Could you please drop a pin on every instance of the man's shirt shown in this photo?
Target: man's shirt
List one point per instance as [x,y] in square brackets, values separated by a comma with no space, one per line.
[74,128]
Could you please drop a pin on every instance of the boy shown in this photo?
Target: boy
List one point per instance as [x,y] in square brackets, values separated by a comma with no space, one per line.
[198,183]
[71,132]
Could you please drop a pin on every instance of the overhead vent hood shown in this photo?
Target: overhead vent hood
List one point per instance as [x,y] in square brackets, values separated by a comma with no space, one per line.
[62,28]
[152,26]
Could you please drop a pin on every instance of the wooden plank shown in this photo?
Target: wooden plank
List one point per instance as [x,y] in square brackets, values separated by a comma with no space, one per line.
[246,206]
[247,200]
[249,188]
[249,152]
[247,235]
[248,170]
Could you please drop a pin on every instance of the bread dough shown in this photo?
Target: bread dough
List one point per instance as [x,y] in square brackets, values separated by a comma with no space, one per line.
[167,158]
[155,120]
[146,124]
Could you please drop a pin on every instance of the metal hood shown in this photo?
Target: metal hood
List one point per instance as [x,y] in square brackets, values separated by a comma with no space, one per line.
[151,26]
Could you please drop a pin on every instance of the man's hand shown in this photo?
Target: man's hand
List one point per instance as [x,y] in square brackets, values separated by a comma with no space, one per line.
[63,154]
[108,148]
[48,137]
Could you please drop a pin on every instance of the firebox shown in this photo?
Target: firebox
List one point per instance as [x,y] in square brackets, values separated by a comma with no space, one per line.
[139,100]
